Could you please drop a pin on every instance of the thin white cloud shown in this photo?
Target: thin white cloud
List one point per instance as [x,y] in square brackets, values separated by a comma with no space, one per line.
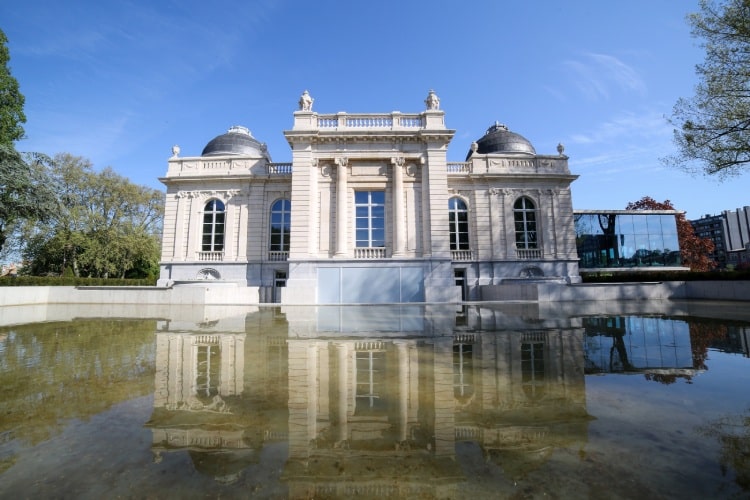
[598,76]
[649,127]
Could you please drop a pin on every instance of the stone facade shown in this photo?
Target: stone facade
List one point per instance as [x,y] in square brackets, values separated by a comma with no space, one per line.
[368,211]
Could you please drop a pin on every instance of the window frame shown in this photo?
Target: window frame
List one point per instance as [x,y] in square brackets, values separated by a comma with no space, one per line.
[213,226]
[285,213]
[458,230]
[366,228]
[527,234]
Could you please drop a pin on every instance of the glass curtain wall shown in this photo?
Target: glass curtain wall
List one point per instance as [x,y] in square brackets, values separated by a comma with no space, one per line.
[632,240]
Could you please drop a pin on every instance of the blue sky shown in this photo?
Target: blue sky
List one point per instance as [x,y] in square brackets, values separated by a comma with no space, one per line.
[120,82]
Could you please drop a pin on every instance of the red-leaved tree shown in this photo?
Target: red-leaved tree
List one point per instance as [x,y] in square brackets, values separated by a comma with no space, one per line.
[695,251]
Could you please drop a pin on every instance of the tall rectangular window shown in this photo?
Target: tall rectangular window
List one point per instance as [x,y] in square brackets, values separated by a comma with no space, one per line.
[369,216]
[280,225]
[213,227]
[371,371]
[458,220]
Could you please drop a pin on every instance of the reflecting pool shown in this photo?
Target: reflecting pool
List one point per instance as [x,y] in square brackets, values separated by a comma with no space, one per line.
[513,400]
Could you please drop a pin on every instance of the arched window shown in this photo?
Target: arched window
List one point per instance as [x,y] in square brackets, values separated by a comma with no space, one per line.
[280,226]
[458,218]
[524,216]
[213,227]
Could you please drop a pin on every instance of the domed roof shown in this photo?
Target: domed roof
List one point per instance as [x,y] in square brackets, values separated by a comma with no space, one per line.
[237,141]
[498,139]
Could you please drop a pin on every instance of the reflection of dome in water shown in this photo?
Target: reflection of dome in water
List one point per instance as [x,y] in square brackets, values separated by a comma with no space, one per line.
[237,141]
[224,466]
[498,139]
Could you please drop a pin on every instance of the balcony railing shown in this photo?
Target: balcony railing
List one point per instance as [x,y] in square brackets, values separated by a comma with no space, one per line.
[462,255]
[460,167]
[529,253]
[277,256]
[210,256]
[378,121]
[279,169]
[369,253]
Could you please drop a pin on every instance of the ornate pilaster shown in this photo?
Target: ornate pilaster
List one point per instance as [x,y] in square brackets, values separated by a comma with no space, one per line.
[341,206]
[399,218]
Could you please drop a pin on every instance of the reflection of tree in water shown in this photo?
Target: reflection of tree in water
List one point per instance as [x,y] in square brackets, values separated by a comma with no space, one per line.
[666,378]
[733,434]
[704,333]
[618,347]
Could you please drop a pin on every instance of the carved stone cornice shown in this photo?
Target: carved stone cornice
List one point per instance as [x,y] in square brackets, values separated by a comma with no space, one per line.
[224,194]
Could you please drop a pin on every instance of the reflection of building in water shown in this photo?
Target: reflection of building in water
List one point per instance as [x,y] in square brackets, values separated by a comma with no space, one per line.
[209,402]
[519,393]
[383,415]
[370,405]
[635,344]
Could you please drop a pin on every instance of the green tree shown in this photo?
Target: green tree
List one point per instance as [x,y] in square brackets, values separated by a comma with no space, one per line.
[106,226]
[25,190]
[695,251]
[712,129]
[11,100]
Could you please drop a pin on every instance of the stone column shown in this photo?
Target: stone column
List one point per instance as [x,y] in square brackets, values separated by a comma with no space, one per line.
[178,250]
[399,219]
[342,384]
[341,207]
[403,390]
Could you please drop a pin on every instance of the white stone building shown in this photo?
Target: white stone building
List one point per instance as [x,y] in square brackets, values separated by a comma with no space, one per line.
[368,211]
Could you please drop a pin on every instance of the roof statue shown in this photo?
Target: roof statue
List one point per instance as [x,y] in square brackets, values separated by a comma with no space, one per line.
[432,101]
[175,151]
[305,101]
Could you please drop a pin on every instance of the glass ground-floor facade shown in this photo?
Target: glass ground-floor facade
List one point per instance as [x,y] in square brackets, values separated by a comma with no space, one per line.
[627,239]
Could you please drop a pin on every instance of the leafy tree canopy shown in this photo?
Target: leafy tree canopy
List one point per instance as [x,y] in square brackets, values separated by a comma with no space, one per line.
[712,129]
[11,100]
[695,251]
[25,190]
[106,226]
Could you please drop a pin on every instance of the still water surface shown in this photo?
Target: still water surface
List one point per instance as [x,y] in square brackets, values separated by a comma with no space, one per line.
[632,400]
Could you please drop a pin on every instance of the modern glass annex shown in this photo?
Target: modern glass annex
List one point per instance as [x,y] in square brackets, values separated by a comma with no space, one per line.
[627,239]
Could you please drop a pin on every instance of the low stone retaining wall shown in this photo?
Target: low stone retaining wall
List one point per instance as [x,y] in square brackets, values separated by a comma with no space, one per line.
[549,292]
[224,294]
[231,294]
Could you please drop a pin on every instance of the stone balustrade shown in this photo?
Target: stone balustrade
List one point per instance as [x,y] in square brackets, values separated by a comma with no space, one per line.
[457,255]
[226,166]
[459,167]
[371,121]
[210,256]
[277,256]
[369,253]
[529,253]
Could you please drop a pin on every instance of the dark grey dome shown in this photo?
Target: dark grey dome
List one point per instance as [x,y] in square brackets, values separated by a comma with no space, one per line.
[237,141]
[498,139]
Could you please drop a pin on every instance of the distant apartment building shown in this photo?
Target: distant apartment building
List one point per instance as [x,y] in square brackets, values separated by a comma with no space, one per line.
[730,232]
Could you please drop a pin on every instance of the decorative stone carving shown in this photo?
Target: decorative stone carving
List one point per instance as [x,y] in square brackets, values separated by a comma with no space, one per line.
[411,170]
[342,161]
[208,274]
[398,161]
[175,151]
[474,147]
[433,101]
[560,149]
[326,170]
[305,101]
[495,191]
